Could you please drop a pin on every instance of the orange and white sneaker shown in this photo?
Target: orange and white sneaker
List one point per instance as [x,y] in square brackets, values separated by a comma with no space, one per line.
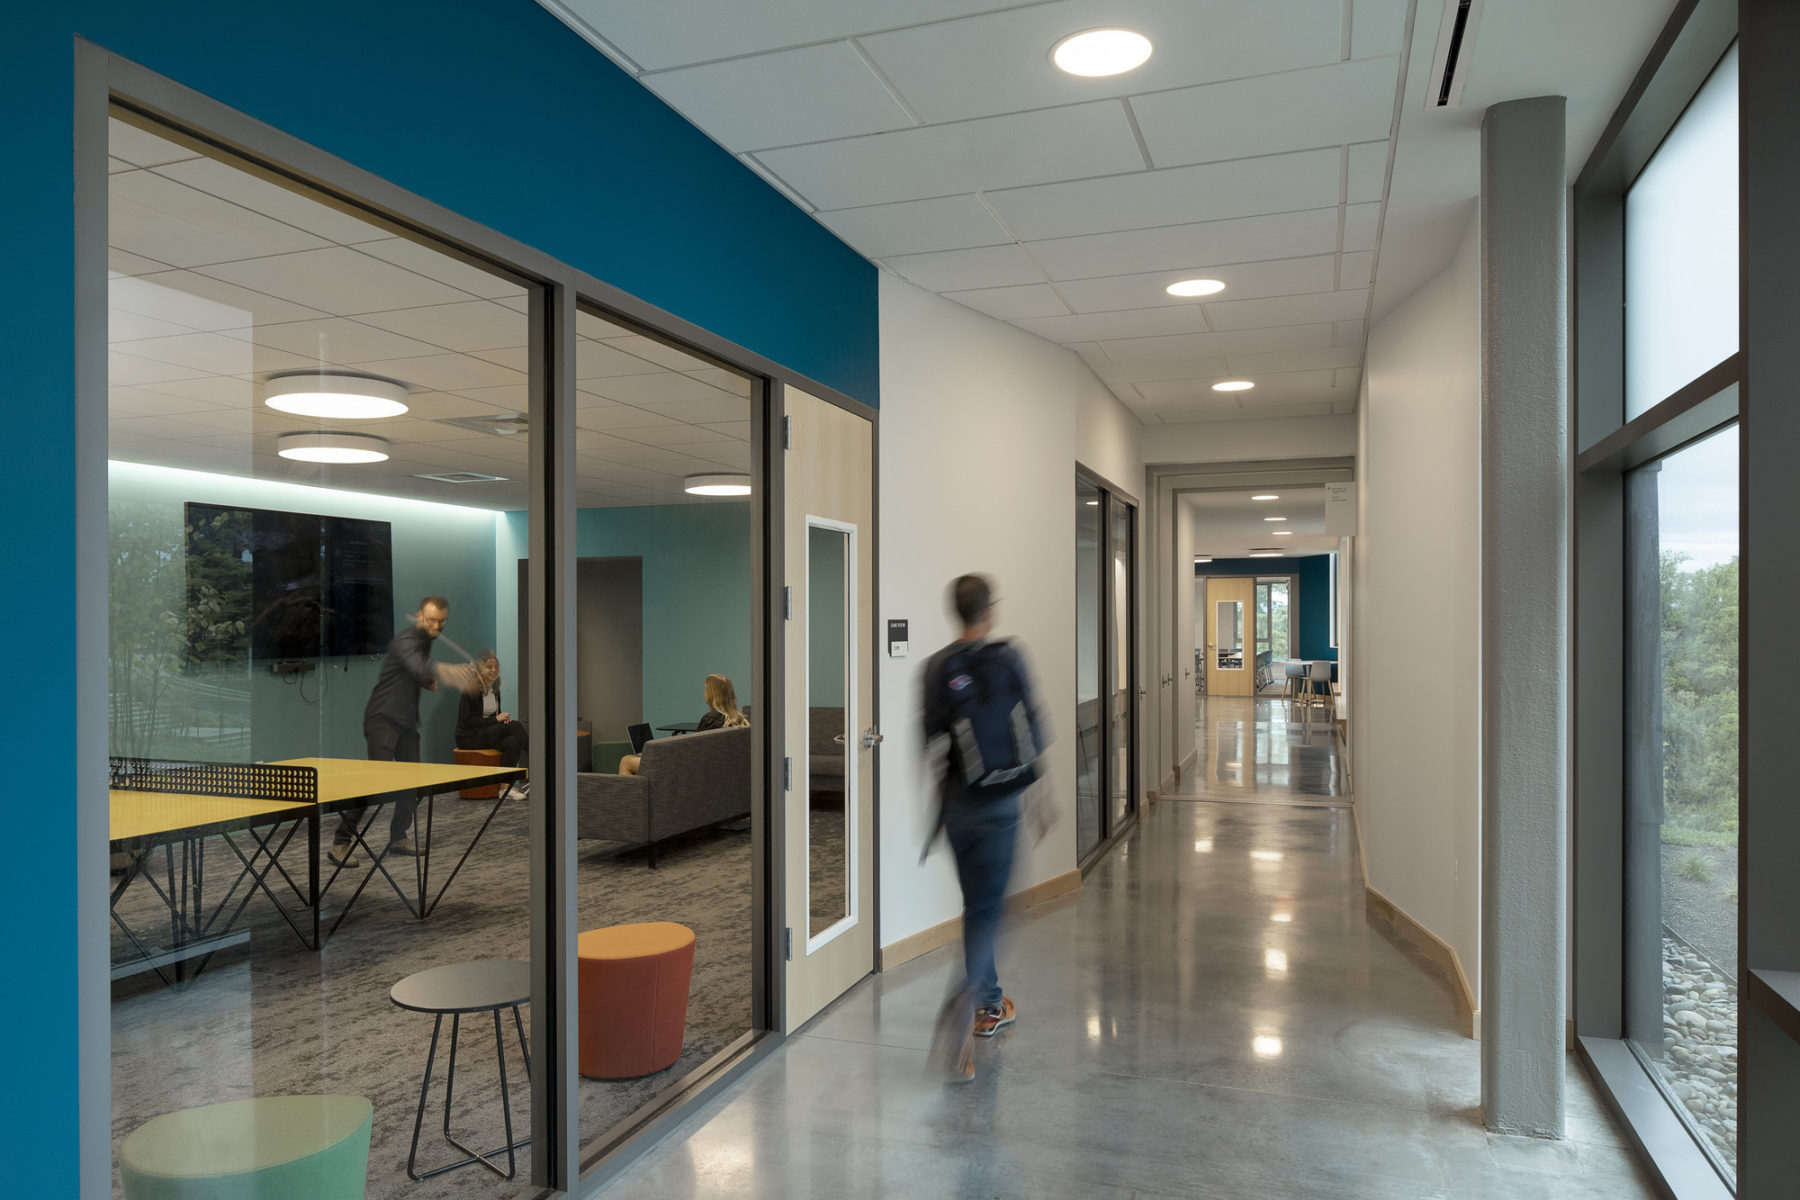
[991,1019]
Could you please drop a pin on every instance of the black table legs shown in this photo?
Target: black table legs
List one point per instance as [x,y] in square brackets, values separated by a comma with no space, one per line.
[474,1156]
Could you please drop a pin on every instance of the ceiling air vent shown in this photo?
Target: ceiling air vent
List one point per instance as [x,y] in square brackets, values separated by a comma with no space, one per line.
[1455,46]
[463,477]
[503,424]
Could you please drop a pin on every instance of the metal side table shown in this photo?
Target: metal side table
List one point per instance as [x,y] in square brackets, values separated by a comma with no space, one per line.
[488,985]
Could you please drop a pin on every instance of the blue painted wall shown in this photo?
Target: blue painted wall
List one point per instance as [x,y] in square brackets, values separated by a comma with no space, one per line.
[1314,571]
[488,107]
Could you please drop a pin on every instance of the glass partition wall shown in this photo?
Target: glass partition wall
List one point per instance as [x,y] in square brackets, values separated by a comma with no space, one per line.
[1105,671]
[320,445]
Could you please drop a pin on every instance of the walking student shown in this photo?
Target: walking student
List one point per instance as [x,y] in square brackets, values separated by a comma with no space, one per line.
[979,709]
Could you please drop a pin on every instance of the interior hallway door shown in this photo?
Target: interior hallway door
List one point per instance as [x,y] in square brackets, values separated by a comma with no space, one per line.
[829,846]
[1230,643]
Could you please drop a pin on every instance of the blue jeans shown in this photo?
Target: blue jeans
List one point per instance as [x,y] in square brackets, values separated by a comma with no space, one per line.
[983,835]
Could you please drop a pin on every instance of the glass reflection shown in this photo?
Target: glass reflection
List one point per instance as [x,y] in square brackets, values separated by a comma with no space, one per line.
[829,746]
[1089,603]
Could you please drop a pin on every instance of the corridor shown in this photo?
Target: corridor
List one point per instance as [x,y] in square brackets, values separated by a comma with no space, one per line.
[1212,1015]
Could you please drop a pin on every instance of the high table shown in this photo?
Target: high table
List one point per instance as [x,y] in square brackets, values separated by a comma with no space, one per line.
[176,805]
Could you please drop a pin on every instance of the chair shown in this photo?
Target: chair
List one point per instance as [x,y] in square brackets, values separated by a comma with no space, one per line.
[272,1147]
[478,758]
[1319,687]
[633,998]
[1296,679]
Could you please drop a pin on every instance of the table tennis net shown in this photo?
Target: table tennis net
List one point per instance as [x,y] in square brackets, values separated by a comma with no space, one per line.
[243,781]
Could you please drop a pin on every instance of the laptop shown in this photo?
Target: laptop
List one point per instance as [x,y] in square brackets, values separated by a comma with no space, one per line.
[639,734]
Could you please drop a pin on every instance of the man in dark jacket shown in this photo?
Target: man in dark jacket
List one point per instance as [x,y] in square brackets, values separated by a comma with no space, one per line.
[391,720]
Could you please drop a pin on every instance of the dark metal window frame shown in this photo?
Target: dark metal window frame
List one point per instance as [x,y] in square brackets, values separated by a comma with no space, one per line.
[562,1165]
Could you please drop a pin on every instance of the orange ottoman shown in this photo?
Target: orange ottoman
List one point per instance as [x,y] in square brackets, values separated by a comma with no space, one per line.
[634,997]
[478,758]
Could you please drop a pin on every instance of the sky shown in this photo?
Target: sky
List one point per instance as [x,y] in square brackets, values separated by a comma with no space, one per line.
[1697,493]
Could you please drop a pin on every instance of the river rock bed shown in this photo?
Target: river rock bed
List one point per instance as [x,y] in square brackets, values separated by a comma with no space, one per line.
[1700,1044]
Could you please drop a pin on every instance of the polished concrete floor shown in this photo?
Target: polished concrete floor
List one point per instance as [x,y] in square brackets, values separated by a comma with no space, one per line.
[1212,1015]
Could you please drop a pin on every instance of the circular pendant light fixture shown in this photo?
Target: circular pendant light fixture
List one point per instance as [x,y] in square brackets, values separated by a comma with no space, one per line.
[325,447]
[1098,52]
[716,485]
[334,395]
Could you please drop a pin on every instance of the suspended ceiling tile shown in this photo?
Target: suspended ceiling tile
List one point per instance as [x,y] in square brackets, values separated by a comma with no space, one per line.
[1296,360]
[338,280]
[215,354]
[1180,349]
[622,418]
[170,222]
[1273,277]
[464,326]
[124,262]
[435,264]
[729,382]
[659,354]
[1000,62]
[601,360]
[1351,333]
[446,372]
[1361,224]
[723,408]
[806,94]
[218,178]
[1241,240]
[140,147]
[740,430]
[215,391]
[1012,303]
[916,226]
[1289,384]
[1367,172]
[654,391]
[132,369]
[1378,27]
[947,160]
[203,302]
[1356,270]
[691,31]
[964,270]
[123,326]
[516,357]
[712,434]
[1093,327]
[335,340]
[1176,196]
[1297,110]
[1288,310]
[502,398]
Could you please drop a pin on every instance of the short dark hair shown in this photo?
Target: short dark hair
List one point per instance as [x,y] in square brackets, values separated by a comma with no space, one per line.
[972,596]
[434,602]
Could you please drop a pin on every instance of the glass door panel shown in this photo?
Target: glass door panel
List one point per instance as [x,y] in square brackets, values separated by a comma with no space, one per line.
[1122,708]
[1089,611]
[829,655]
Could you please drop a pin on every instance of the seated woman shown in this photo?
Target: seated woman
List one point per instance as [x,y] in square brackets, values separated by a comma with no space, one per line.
[721,713]
[482,725]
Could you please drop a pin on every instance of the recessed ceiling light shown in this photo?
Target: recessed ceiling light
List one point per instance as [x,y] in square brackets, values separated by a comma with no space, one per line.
[716,485]
[1282,533]
[334,395]
[1202,558]
[1234,385]
[332,447]
[1266,552]
[1266,496]
[1093,504]
[1195,287]
[1274,518]
[1100,52]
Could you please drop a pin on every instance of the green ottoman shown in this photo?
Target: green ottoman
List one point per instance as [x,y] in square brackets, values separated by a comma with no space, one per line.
[271,1148]
[605,756]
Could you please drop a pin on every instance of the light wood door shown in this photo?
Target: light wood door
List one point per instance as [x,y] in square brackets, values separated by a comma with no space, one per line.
[829,844]
[1230,637]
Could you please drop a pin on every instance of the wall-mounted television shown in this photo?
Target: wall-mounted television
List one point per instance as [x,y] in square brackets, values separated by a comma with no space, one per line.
[263,584]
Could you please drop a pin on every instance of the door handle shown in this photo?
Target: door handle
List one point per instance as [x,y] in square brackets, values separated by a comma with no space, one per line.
[871,738]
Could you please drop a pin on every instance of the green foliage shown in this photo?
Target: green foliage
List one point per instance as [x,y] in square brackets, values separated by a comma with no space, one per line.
[1695,866]
[1700,698]
[1715,839]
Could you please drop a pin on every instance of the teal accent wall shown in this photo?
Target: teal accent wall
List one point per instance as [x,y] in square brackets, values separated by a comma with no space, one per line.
[697,582]
[490,108]
[1314,570]
[163,707]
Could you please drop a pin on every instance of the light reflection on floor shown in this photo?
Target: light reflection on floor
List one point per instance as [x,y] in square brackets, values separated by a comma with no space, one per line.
[1263,748]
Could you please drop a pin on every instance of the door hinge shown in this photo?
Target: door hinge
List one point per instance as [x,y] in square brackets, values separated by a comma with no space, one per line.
[790,943]
[787,603]
[787,433]
[787,774]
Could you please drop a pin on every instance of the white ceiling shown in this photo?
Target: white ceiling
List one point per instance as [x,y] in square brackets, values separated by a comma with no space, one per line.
[1256,147]
[220,278]
[1231,524]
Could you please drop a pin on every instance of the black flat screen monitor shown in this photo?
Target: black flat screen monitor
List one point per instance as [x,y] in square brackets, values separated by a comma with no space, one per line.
[276,585]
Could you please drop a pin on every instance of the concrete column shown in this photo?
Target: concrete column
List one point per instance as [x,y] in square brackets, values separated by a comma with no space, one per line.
[1524,597]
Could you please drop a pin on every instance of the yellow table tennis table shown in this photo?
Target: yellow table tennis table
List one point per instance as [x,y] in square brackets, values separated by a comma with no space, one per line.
[176,805]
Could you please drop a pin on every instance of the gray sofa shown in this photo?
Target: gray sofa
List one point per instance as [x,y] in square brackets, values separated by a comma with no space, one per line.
[683,783]
[824,757]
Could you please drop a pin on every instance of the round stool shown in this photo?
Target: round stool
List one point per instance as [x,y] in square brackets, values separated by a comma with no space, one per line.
[273,1148]
[634,996]
[478,758]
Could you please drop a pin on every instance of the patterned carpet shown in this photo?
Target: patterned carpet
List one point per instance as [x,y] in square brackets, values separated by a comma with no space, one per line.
[270,1017]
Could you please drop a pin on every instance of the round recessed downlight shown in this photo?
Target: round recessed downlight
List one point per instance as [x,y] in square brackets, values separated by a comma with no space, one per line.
[1274,518]
[332,447]
[1266,496]
[1282,532]
[334,396]
[1234,385]
[1195,287]
[716,485]
[1099,52]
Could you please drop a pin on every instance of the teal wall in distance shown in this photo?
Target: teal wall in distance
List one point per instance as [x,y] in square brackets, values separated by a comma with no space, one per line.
[1314,571]
[825,617]
[438,549]
[697,582]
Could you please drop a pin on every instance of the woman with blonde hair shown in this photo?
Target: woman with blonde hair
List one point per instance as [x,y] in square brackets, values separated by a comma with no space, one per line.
[481,724]
[721,713]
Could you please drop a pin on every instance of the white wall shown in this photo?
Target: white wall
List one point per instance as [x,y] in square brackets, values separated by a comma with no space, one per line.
[981,424]
[1416,616]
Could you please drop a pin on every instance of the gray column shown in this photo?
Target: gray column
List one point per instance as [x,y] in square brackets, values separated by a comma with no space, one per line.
[1524,626]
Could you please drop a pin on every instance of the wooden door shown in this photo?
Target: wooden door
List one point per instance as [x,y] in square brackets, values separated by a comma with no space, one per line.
[1230,637]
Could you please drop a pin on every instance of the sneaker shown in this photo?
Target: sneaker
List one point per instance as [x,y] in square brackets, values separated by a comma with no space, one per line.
[342,853]
[991,1019]
[403,846]
[519,791]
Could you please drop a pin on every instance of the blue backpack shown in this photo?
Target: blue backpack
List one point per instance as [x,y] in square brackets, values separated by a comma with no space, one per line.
[993,738]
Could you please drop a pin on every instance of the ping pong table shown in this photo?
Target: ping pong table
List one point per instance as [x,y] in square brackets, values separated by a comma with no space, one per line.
[176,806]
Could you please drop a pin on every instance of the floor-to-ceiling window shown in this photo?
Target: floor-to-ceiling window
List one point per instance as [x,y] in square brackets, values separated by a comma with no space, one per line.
[1105,663]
